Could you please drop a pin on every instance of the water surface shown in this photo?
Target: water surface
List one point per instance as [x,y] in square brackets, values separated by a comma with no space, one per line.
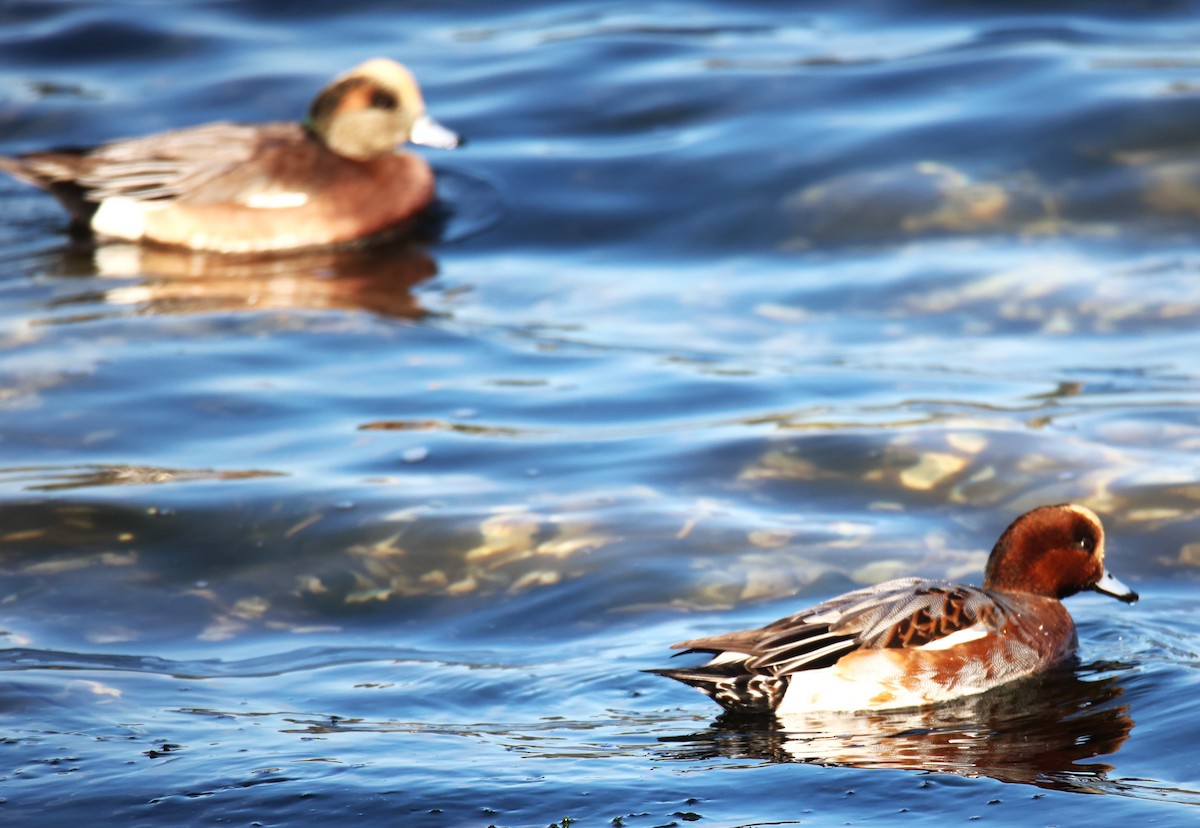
[733,306]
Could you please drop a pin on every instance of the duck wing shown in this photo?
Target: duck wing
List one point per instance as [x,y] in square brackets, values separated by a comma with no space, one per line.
[161,166]
[904,613]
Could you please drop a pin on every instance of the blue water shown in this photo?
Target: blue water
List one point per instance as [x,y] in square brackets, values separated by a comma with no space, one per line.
[735,306]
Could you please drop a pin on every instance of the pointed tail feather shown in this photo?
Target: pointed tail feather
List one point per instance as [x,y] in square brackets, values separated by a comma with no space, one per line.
[55,172]
[739,692]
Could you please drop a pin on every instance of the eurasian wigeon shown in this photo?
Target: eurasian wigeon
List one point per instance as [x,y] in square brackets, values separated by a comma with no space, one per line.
[336,178]
[912,642]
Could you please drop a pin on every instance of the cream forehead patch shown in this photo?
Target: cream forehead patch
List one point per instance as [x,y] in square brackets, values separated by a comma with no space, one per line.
[1084,511]
[392,75]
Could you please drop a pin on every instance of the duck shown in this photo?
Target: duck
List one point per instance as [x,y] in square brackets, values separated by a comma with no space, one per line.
[334,179]
[913,642]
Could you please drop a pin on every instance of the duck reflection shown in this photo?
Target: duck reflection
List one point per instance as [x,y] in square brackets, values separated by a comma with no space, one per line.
[1038,732]
[175,281]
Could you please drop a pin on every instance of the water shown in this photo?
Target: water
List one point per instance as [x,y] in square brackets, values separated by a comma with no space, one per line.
[734,306]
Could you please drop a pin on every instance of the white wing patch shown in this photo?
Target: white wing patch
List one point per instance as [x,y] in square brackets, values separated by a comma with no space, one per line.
[276,201]
[972,633]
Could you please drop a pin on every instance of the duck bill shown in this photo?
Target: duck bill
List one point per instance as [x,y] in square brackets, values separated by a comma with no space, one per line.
[429,133]
[1111,586]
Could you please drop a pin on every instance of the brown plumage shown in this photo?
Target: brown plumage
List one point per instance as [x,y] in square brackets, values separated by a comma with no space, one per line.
[912,641]
[334,179]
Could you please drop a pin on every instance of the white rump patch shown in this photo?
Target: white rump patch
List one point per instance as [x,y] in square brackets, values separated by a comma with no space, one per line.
[972,633]
[276,201]
[121,218]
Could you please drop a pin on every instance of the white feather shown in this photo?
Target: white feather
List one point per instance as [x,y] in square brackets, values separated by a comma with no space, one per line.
[276,201]
[121,218]
[972,633]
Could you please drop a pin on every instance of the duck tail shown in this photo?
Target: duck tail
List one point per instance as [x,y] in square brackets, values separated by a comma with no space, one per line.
[738,692]
[54,171]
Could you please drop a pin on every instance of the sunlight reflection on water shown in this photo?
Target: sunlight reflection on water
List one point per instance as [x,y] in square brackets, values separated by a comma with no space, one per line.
[726,308]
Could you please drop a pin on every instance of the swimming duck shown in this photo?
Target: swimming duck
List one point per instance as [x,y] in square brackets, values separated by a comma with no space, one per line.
[912,642]
[334,179]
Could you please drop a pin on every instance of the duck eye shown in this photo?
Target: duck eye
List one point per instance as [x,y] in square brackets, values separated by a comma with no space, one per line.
[1086,542]
[381,99]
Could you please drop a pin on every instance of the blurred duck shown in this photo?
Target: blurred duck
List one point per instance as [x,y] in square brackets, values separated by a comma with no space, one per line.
[337,178]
